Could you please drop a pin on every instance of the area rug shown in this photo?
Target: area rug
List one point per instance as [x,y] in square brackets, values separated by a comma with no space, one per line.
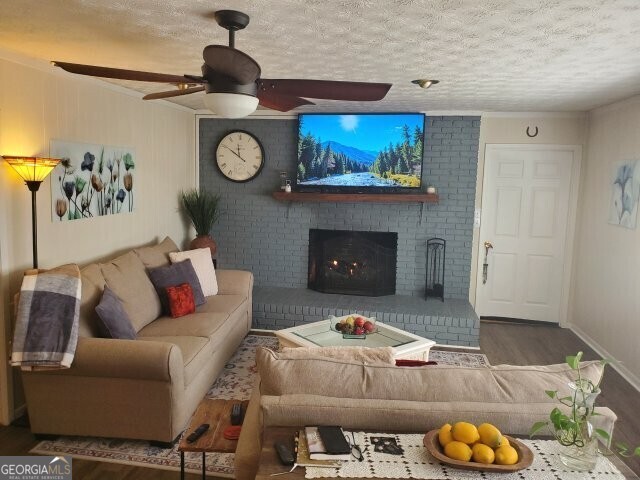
[459,359]
[236,381]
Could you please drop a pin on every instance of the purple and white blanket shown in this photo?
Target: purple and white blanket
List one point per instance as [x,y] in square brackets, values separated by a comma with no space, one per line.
[46,331]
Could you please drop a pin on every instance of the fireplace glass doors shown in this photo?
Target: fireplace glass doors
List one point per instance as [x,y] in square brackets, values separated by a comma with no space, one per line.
[352,262]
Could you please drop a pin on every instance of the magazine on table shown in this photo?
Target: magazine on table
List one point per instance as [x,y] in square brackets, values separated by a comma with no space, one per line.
[304,460]
[317,448]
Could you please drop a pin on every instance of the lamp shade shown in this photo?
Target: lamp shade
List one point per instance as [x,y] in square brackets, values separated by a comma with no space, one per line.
[231,105]
[32,169]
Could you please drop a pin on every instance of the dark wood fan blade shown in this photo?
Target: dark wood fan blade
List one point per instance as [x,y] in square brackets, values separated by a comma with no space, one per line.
[281,103]
[172,93]
[231,62]
[121,74]
[326,89]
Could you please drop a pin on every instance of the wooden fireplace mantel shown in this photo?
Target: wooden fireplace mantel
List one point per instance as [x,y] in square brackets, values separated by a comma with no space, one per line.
[356,197]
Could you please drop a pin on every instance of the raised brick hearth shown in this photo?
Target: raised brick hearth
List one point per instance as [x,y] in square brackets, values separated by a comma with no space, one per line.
[453,322]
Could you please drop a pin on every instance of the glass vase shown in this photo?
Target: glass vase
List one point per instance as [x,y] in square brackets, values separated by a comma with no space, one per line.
[583,455]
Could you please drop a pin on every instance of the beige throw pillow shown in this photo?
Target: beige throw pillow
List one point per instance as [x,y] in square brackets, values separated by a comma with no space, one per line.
[203,265]
[127,277]
[157,255]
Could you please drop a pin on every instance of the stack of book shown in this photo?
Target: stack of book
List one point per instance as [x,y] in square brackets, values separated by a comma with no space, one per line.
[313,451]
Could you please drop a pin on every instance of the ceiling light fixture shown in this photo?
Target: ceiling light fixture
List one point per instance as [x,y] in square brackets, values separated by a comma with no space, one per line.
[425,82]
[231,105]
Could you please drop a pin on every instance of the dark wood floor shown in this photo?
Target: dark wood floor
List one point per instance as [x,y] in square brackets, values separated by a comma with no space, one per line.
[502,343]
[519,344]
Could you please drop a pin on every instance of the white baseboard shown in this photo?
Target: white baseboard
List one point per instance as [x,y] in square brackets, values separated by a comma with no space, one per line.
[456,347]
[262,330]
[627,374]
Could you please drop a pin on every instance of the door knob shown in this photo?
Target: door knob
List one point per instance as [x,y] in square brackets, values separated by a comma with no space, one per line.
[485,266]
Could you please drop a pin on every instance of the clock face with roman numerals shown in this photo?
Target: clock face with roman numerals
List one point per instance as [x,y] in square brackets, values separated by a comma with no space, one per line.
[239,156]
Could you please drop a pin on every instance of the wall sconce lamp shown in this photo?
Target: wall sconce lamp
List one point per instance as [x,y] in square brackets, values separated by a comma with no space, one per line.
[33,171]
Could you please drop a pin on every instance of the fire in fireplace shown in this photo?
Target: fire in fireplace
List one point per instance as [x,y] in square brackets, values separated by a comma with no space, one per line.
[352,262]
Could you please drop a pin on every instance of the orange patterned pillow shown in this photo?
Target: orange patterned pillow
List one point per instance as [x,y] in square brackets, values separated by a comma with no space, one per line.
[181,301]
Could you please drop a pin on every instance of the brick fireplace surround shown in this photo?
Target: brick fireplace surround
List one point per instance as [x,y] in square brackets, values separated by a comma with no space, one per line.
[270,238]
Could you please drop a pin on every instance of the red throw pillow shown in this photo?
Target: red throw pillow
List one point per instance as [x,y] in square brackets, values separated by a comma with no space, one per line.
[181,301]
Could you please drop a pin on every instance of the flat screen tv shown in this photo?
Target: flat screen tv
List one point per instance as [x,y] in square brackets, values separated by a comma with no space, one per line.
[365,152]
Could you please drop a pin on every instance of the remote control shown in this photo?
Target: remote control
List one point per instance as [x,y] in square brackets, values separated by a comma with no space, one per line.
[285,453]
[198,432]
[236,414]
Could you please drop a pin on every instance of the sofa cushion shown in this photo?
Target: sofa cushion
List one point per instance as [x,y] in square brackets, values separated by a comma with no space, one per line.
[181,300]
[379,355]
[402,415]
[175,274]
[195,324]
[205,322]
[127,277]
[93,284]
[203,265]
[157,255]
[223,304]
[114,321]
[438,383]
[196,352]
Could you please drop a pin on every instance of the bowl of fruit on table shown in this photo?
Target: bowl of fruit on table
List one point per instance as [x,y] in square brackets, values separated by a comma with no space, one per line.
[353,326]
[463,445]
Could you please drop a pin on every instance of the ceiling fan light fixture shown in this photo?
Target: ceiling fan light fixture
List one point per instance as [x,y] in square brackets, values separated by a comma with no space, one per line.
[425,82]
[231,105]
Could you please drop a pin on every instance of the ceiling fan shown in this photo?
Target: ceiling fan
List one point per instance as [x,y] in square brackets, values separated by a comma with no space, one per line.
[231,79]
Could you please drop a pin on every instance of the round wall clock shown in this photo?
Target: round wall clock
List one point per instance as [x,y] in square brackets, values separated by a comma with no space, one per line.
[239,156]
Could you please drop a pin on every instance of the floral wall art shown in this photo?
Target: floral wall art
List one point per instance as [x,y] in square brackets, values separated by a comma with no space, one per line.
[625,190]
[91,180]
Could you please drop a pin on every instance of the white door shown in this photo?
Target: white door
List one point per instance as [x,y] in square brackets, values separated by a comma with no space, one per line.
[529,201]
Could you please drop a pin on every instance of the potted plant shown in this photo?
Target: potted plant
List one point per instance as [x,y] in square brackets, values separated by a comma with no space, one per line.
[201,207]
[574,430]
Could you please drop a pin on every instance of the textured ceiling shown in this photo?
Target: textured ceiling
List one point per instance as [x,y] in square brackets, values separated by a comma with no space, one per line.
[490,55]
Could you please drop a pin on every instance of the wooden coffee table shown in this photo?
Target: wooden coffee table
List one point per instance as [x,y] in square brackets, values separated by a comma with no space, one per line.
[217,414]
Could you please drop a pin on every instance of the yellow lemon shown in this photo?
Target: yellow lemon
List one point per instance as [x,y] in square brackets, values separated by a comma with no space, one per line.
[458,451]
[444,435]
[465,432]
[482,453]
[490,435]
[505,442]
[506,455]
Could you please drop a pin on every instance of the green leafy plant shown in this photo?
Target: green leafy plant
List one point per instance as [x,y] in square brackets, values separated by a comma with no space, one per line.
[573,429]
[202,209]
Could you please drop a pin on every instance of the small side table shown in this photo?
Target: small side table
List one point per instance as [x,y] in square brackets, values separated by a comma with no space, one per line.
[217,414]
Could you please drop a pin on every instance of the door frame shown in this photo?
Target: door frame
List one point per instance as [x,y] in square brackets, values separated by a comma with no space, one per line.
[572,214]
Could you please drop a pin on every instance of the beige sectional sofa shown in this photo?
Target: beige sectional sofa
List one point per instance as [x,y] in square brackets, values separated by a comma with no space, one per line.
[297,389]
[146,388]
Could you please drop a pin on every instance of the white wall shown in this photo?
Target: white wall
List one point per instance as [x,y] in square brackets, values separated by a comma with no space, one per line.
[606,293]
[500,128]
[38,104]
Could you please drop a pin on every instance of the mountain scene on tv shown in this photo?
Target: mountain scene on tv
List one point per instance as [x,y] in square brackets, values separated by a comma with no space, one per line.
[379,150]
